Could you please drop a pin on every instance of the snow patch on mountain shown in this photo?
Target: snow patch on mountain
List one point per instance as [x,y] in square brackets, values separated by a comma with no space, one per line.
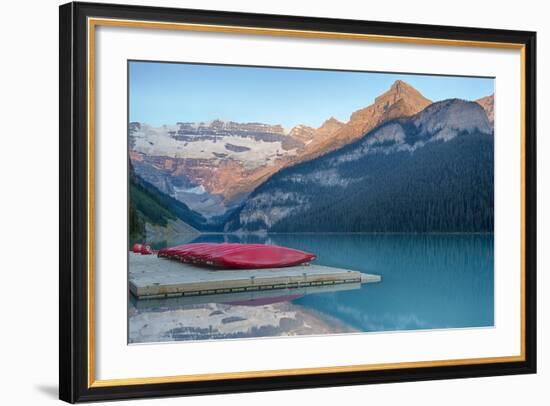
[266,209]
[444,120]
[252,152]
[439,122]
[386,139]
[328,178]
[196,190]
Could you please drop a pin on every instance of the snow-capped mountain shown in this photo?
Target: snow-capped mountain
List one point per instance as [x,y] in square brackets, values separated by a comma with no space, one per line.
[252,144]
[208,165]
[213,166]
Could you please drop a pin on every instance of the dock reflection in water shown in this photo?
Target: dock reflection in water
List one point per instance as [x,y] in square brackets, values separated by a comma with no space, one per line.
[231,315]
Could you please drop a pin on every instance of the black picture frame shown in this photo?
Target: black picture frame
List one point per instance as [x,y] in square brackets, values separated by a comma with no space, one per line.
[74,385]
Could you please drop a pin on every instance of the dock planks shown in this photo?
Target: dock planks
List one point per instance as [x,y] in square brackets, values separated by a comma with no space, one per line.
[152,278]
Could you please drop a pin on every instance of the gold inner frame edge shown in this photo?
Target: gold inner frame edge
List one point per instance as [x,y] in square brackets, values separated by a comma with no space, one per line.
[92,23]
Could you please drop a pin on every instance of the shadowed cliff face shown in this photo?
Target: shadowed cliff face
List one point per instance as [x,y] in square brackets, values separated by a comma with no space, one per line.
[213,166]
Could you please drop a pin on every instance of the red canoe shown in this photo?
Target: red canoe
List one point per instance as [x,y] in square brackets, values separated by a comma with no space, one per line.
[237,256]
[146,250]
[143,249]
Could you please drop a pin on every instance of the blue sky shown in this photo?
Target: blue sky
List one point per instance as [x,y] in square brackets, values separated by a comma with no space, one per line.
[165,93]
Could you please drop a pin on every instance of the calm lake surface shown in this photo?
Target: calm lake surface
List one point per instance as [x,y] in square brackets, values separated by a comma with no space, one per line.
[429,281]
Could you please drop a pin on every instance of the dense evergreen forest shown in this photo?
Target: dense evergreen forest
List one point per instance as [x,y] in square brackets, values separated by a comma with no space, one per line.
[442,187]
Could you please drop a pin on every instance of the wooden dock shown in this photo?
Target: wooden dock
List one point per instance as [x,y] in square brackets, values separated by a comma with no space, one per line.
[250,297]
[152,278]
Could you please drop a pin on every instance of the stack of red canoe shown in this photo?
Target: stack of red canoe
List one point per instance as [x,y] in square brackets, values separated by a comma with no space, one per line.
[143,249]
[237,256]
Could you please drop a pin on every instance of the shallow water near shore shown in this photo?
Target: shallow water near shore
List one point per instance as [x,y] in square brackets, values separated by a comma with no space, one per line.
[429,281]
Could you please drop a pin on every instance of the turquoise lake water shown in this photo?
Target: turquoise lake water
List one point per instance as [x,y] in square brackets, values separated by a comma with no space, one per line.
[429,281]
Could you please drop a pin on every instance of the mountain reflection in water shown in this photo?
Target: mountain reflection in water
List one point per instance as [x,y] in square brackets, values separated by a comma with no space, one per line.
[429,281]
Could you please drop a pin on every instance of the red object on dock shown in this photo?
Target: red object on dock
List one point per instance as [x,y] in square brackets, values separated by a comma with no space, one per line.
[136,249]
[237,256]
[146,250]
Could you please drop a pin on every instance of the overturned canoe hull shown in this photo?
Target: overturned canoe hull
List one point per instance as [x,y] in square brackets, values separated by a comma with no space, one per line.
[237,256]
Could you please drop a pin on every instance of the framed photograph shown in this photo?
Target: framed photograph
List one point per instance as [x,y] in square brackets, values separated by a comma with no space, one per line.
[257,202]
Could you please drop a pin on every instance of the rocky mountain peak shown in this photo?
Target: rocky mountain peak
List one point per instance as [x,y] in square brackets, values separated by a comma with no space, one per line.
[331,121]
[301,132]
[398,84]
[412,98]
[447,118]
[328,128]
[488,104]
[401,86]
[330,124]
[400,100]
